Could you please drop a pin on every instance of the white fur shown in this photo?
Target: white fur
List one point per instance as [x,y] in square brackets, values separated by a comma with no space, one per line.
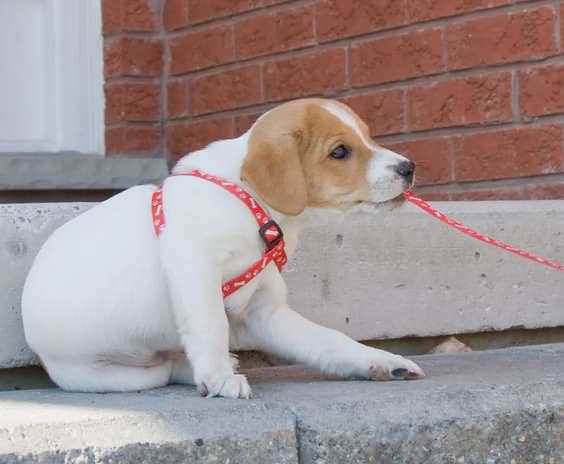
[108,306]
[348,119]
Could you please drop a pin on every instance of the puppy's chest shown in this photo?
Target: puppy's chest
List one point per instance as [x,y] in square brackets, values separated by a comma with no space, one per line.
[240,260]
[267,280]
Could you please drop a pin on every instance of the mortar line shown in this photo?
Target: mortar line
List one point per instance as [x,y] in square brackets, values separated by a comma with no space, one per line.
[558,25]
[164,81]
[515,95]
[452,159]
[485,185]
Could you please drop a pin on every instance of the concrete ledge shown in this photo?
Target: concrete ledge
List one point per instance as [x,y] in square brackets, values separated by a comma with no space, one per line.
[500,406]
[401,274]
[23,229]
[372,276]
[73,171]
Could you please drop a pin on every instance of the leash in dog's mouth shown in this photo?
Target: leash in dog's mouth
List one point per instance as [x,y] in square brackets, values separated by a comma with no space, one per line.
[415,200]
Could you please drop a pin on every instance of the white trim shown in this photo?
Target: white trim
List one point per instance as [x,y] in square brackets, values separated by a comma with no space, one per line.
[80,85]
[73,114]
[42,130]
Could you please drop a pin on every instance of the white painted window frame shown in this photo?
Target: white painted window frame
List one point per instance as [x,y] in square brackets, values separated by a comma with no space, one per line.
[74,79]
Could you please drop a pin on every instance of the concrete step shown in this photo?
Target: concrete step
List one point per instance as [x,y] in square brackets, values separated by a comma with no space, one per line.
[370,275]
[503,406]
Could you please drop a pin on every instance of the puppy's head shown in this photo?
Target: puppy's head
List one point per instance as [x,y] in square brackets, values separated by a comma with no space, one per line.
[318,153]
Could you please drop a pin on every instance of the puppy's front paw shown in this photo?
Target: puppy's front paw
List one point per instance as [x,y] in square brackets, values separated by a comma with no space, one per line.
[230,386]
[395,368]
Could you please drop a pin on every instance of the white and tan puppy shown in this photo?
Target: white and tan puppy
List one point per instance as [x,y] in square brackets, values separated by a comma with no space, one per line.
[109,306]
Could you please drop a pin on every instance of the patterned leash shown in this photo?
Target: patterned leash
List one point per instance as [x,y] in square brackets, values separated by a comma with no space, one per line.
[472,233]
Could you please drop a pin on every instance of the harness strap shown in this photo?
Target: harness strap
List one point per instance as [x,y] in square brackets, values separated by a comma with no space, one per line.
[269,230]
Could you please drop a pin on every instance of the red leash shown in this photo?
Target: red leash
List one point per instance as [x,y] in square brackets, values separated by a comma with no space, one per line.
[472,233]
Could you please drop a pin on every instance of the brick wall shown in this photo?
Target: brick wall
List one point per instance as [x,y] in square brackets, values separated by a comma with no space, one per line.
[472,90]
[134,72]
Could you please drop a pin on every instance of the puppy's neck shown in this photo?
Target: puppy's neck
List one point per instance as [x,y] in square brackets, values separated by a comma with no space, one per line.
[224,158]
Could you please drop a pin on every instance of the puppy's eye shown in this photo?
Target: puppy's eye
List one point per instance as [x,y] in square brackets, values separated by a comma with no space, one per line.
[341,152]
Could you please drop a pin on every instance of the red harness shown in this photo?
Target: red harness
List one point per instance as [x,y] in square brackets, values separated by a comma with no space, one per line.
[269,230]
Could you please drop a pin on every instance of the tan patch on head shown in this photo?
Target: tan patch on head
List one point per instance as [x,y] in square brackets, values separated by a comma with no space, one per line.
[289,161]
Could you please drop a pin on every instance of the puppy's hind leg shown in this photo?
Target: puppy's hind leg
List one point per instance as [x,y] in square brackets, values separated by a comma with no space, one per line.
[102,377]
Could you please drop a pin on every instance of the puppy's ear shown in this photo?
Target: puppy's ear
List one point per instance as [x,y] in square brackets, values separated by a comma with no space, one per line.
[273,165]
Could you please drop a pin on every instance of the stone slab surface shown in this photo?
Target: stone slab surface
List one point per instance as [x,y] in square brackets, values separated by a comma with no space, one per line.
[371,275]
[503,406]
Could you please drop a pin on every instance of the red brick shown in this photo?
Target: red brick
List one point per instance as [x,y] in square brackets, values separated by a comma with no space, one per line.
[129,16]
[424,10]
[226,90]
[133,140]
[346,18]
[527,151]
[132,102]
[503,38]
[275,32]
[381,110]
[114,102]
[545,191]
[133,57]
[542,90]
[112,16]
[113,57]
[205,10]
[432,157]
[142,57]
[202,49]
[175,14]
[244,122]
[460,102]
[321,72]
[178,98]
[142,102]
[140,15]
[187,137]
[396,58]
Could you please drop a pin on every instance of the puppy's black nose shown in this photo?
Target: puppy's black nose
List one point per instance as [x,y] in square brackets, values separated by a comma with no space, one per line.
[406,169]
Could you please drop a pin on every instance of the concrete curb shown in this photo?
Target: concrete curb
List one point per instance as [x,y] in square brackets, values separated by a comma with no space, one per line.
[168,425]
[499,406]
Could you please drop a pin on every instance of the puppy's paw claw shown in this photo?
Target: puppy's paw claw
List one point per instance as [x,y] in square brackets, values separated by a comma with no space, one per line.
[406,374]
[398,369]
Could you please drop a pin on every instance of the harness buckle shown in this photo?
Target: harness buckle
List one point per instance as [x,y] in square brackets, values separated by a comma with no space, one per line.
[271,234]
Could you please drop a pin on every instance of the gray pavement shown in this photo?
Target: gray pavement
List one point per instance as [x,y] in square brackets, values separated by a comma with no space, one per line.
[504,406]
